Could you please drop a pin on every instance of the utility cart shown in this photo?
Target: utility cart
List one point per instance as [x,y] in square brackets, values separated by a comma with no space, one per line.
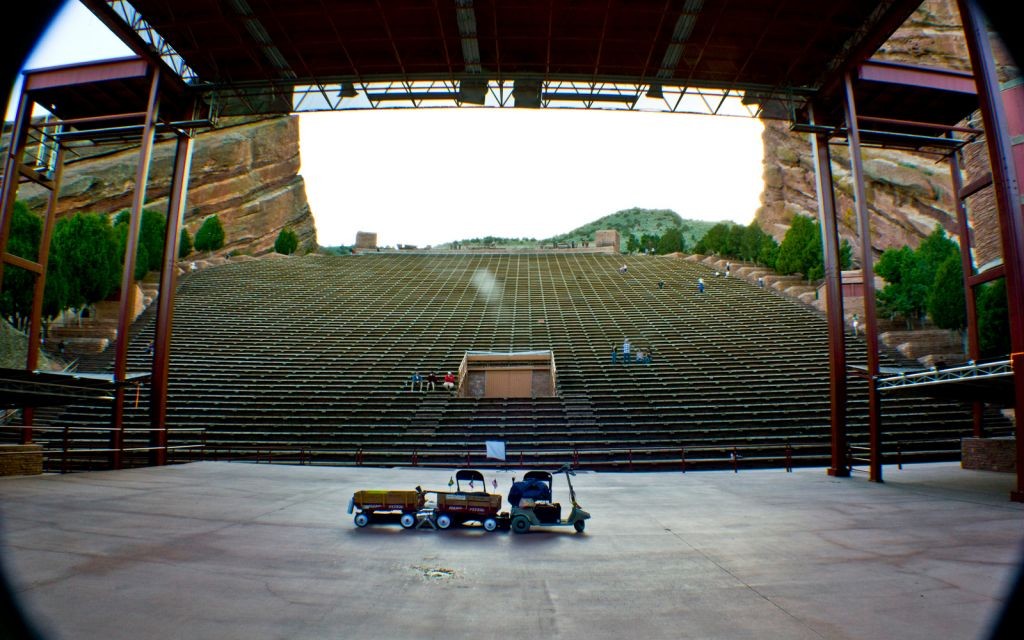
[532,505]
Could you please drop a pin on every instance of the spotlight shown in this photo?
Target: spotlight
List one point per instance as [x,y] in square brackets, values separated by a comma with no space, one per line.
[526,93]
[348,90]
[473,91]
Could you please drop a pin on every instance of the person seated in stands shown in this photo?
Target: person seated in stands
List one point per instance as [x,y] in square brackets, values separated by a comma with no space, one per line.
[431,381]
[449,381]
[623,269]
[416,381]
[700,285]
[640,355]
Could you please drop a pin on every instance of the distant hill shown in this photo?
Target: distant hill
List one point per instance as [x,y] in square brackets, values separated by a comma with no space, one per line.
[637,222]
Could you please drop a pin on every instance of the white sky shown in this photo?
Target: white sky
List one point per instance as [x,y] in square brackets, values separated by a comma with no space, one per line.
[429,176]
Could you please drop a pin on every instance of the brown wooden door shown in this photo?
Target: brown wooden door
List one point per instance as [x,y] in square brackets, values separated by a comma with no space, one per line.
[508,383]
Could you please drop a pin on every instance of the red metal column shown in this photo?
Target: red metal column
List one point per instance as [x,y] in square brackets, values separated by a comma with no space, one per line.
[967,266]
[43,258]
[128,278]
[12,173]
[35,324]
[868,269]
[1005,177]
[165,301]
[834,299]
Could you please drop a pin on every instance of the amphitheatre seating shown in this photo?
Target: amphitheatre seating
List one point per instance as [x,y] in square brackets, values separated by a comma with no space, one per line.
[315,353]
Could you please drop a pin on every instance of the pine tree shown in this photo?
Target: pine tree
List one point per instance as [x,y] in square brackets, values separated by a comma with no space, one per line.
[210,236]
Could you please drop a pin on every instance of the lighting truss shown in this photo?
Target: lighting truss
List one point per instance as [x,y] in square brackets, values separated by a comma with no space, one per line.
[127,13]
[971,371]
[554,94]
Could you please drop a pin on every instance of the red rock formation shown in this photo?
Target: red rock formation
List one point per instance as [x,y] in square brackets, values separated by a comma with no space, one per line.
[246,172]
[907,193]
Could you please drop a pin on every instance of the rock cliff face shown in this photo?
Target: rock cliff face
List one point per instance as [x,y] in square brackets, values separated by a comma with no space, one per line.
[907,193]
[245,172]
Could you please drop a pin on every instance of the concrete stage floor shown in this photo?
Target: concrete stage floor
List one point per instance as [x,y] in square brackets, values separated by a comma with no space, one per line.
[234,550]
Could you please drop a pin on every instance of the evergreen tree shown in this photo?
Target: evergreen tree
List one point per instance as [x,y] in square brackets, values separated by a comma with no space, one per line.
[287,242]
[185,244]
[88,253]
[911,276]
[793,252]
[993,319]
[18,284]
[151,236]
[751,242]
[670,242]
[210,236]
[947,304]
[906,293]
[933,251]
[716,240]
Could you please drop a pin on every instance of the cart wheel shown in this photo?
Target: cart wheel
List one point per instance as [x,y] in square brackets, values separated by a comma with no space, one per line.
[580,525]
[444,521]
[520,524]
[490,524]
[408,520]
[362,519]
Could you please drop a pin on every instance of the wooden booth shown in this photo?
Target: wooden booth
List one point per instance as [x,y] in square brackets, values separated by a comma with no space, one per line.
[517,374]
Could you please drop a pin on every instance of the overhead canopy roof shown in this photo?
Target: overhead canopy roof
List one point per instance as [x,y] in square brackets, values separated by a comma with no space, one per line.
[765,43]
[771,47]
[769,58]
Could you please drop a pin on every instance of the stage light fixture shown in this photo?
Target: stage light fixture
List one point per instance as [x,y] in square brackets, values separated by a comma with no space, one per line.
[526,93]
[348,90]
[473,91]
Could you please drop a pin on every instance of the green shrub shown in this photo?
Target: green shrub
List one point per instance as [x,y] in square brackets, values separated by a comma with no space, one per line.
[210,236]
[185,244]
[287,242]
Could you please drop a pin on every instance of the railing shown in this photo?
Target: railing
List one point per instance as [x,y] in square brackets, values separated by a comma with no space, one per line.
[703,456]
[894,454]
[71,455]
[970,371]
[67,453]
[258,454]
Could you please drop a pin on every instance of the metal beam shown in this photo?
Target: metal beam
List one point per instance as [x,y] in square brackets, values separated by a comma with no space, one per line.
[12,169]
[36,318]
[1005,179]
[840,466]
[917,76]
[868,280]
[127,304]
[967,268]
[165,300]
